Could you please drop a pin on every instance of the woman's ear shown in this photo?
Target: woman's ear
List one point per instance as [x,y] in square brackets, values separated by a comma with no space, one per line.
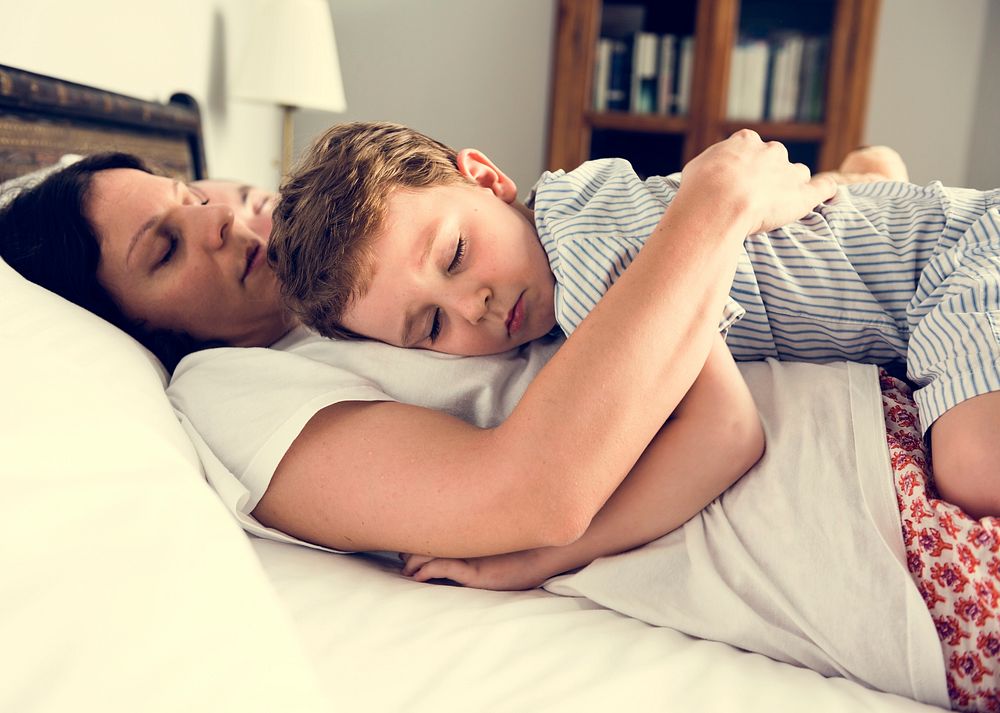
[477,167]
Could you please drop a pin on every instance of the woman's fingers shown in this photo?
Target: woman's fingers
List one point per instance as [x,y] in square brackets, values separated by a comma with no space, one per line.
[779,148]
[754,181]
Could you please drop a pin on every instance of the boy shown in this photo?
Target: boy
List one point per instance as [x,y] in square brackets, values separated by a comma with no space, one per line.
[429,248]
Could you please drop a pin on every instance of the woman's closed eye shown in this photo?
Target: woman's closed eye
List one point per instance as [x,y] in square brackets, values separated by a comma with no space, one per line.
[172,240]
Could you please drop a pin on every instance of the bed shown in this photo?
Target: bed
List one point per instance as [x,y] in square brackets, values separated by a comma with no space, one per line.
[128,586]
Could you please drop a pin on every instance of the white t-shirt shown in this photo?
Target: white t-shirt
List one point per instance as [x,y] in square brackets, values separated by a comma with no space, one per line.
[802,559]
[244,407]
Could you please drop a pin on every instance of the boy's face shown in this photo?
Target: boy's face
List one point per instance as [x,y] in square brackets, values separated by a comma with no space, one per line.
[458,269]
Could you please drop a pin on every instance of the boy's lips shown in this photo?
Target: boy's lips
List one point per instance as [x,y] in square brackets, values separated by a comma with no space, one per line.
[516,317]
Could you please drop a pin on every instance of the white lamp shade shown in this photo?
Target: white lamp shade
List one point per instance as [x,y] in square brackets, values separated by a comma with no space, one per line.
[291,57]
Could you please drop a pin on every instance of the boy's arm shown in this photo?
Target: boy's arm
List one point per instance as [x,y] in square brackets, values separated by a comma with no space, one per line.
[711,439]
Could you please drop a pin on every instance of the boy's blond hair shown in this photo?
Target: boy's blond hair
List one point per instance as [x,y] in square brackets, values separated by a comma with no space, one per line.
[332,206]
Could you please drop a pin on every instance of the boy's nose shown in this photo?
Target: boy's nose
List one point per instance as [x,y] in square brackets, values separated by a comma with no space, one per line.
[475,305]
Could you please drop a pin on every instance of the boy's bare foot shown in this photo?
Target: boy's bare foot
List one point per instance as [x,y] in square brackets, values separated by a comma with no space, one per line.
[869,164]
[879,163]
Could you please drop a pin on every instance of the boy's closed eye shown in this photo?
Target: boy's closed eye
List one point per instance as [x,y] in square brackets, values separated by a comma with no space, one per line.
[459,257]
[435,326]
[453,267]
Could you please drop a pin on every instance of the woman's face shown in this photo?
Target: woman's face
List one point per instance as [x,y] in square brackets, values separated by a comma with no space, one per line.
[173,258]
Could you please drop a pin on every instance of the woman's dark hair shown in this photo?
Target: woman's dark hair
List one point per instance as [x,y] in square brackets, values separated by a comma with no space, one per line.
[46,237]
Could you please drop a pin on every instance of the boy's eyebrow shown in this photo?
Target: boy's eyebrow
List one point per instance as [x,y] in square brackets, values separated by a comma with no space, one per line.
[406,336]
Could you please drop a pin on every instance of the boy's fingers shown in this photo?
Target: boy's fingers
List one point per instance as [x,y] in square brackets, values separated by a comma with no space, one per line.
[454,570]
[432,570]
[411,563]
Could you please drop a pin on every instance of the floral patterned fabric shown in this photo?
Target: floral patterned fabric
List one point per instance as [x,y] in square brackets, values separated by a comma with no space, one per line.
[953,558]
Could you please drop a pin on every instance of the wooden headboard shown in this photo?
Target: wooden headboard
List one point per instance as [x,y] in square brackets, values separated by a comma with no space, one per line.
[43,118]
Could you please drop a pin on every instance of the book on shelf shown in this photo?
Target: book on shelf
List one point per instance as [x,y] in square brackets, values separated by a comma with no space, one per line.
[644,66]
[785,72]
[685,70]
[602,74]
[613,65]
[665,75]
[619,76]
[813,80]
[644,73]
[778,79]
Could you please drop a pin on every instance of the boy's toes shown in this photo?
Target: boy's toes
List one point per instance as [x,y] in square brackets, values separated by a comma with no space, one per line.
[880,160]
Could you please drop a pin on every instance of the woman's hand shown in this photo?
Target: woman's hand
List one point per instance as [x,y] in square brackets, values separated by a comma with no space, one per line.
[753,180]
[508,572]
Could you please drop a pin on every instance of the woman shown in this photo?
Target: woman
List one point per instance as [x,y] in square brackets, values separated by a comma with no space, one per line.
[321,432]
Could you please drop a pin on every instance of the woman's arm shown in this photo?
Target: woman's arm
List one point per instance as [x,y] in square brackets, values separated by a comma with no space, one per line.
[712,438]
[389,476]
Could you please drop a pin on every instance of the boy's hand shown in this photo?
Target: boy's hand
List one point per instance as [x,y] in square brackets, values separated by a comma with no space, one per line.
[513,571]
[754,180]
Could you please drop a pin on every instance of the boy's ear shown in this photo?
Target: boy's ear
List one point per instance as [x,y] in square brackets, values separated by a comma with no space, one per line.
[477,167]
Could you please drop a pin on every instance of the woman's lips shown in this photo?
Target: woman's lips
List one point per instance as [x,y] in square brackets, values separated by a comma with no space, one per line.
[516,317]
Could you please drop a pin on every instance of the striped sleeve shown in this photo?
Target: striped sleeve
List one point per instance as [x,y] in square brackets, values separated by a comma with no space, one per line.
[592,223]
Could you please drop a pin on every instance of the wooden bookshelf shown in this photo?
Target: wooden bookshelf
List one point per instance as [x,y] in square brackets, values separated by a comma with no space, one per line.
[578,132]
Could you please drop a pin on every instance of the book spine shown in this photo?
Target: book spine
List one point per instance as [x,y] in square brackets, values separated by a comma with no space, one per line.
[737,79]
[618,81]
[812,84]
[602,74]
[793,79]
[643,94]
[685,66]
[666,75]
[755,89]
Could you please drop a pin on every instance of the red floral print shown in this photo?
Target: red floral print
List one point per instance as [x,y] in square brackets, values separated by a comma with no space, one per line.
[952,559]
[949,575]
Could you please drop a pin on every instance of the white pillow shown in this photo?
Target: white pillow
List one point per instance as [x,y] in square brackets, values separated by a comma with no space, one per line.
[126,584]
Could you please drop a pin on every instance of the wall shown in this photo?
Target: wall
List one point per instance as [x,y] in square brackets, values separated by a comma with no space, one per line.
[476,72]
[446,67]
[934,90]
[466,72]
[984,149]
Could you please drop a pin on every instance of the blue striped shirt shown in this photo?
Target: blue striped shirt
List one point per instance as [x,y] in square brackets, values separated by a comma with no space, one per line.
[850,280]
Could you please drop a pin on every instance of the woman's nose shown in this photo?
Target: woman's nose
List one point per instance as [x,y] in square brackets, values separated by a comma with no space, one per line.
[212,223]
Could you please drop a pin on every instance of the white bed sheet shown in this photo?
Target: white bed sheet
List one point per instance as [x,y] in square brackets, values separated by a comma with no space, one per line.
[381,642]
